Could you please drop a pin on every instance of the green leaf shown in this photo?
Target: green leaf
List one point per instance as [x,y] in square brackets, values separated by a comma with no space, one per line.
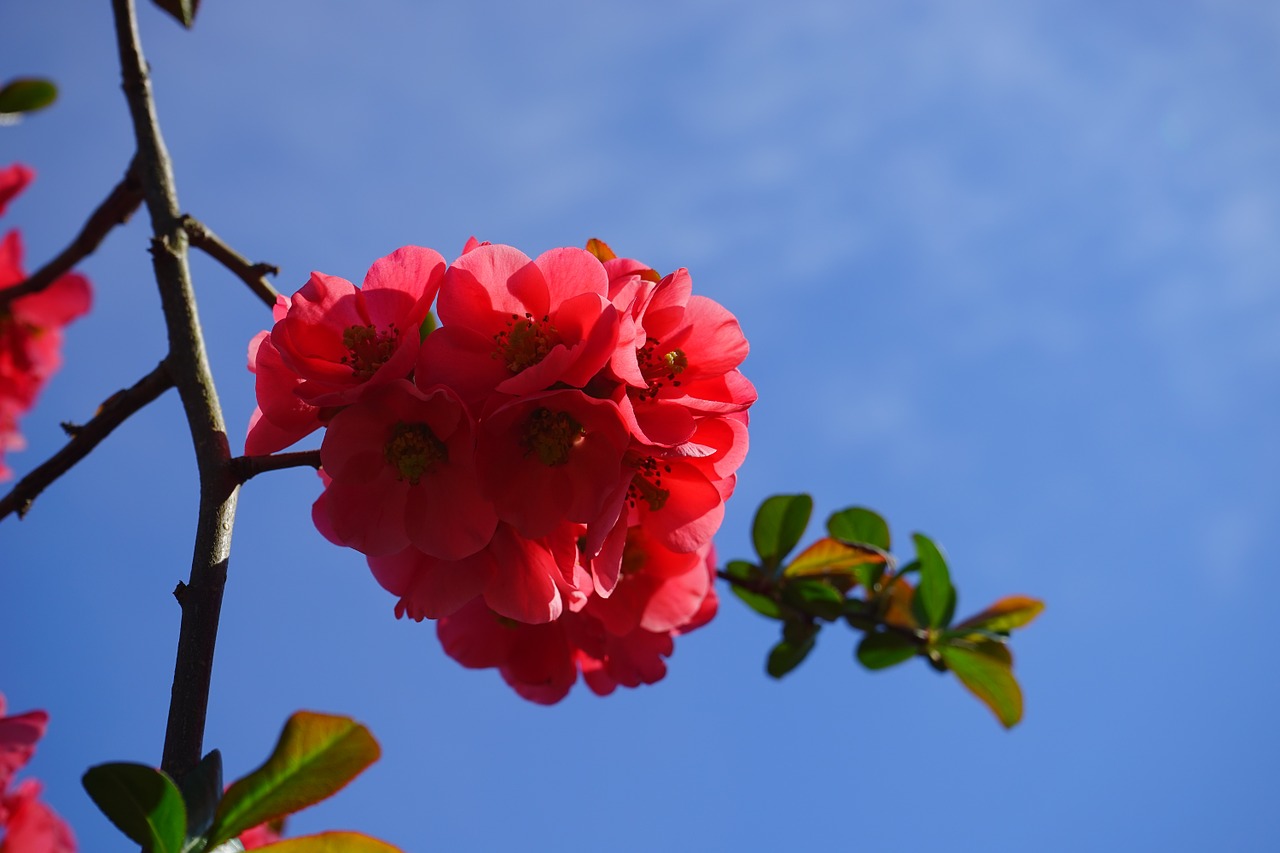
[787,655]
[316,756]
[142,802]
[761,604]
[814,598]
[748,572]
[182,10]
[201,790]
[27,94]
[778,526]
[935,596]
[858,524]
[886,649]
[331,842]
[985,668]
[843,564]
[1005,615]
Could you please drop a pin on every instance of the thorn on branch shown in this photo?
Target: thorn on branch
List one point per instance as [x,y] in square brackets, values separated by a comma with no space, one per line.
[252,274]
[85,438]
[72,430]
[245,468]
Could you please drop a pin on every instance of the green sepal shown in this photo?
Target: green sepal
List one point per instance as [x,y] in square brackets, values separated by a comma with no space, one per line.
[428,326]
[142,802]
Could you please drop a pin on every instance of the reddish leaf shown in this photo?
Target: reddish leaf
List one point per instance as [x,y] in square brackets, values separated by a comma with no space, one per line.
[1005,615]
[835,560]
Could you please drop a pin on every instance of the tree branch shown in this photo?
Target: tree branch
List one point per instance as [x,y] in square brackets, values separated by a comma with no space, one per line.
[245,468]
[117,408]
[114,210]
[189,365]
[251,274]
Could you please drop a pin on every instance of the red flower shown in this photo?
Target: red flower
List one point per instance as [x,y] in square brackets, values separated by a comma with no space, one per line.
[262,834]
[338,339]
[661,594]
[520,579]
[512,326]
[550,458]
[26,824]
[13,180]
[30,326]
[402,469]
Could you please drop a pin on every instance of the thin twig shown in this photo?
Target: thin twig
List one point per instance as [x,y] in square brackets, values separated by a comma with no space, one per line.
[84,438]
[189,364]
[245,468]
[250,273]
[114,210]
[874,619]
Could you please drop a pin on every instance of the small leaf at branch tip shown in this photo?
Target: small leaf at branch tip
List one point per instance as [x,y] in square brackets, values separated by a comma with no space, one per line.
[935,596]
[26,95]
[315,757]
[142,802]
[1014,611]
[984,667]
[786,656]
[883,650]
[331,842]
[761,604]
[779,523]
[835,561]
[859,524]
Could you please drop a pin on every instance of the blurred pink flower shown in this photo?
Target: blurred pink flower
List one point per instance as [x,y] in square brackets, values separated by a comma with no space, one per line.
[30,326]
[26,824]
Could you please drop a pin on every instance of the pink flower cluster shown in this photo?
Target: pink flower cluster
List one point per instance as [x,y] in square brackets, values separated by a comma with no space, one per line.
[26,824]
[30,326]
[543,473]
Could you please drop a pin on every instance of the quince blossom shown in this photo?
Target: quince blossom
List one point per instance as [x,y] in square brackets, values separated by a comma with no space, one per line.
[544,473]
[26,824]
[332,340]
[30,326]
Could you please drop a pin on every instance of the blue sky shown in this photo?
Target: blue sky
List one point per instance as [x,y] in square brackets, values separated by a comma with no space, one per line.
[1009,275]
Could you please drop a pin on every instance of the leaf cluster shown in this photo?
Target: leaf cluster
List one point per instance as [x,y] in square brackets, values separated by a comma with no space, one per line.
[851,575]
[315,757]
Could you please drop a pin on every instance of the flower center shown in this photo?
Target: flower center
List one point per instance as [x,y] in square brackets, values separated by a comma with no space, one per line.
[551,436]
[659,368]
[646,484]
[634,555]
[524,342]
[368,349]
[414,450]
